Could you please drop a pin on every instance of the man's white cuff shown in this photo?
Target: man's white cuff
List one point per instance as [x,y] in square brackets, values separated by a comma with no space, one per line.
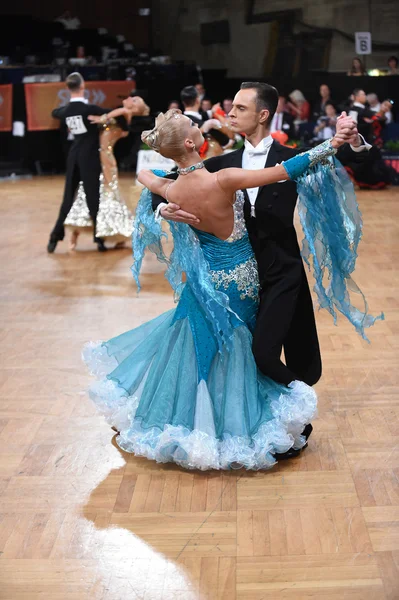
[364,146]
[158,216]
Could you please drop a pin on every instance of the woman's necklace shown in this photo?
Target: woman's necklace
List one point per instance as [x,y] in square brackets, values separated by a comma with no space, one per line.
[187,170]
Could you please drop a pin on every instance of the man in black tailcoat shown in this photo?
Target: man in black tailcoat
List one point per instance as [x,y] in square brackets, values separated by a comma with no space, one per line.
[285,318]
[83,162]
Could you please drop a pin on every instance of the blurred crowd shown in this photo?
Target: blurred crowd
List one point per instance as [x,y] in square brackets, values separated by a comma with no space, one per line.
[296,120]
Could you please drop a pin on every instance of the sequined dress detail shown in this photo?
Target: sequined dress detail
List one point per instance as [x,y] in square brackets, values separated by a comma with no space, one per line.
[114,219]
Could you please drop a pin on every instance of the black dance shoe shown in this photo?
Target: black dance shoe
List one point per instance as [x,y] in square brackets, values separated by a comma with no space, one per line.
[51,246]
[292,452]
[101,247]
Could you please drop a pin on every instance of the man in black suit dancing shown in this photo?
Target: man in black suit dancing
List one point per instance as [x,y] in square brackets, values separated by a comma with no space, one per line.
[286,318]
[83,162]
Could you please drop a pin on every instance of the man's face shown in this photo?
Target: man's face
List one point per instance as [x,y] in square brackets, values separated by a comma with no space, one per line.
[227,105]
[361,97]
[324,91]
[200,89]
[244,116]
[206,105]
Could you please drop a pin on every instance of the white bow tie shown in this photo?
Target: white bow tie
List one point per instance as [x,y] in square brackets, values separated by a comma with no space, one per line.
[258,151]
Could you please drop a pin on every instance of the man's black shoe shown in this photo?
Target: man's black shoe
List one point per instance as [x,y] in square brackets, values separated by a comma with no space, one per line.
[101,247]
[307,431]
[292,452]
[51,246]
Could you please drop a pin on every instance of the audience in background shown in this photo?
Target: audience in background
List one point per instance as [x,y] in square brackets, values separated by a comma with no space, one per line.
[282,119]
[174,104]
[299,107]
[379,120]
[387,108]
[325,98]
[373,102]
[357,69]
[393,65]
[361,114]
[201,90]
[326,124]
[206,108]
[227,105]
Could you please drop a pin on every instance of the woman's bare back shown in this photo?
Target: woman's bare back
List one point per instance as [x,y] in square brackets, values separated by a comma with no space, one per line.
[200,194]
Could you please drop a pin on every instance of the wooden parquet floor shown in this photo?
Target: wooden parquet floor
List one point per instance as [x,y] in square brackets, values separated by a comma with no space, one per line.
[80,520]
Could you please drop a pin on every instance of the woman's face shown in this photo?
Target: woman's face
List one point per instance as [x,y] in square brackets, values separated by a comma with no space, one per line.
[135,103]
[356,64]
[193,133]
[330,111]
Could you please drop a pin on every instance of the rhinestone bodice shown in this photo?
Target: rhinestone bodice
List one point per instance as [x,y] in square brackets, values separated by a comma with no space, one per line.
[232,263]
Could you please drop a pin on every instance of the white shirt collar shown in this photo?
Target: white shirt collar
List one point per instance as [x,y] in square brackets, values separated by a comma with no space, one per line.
[359,105]
[261,148]
[84,100]
[192,113]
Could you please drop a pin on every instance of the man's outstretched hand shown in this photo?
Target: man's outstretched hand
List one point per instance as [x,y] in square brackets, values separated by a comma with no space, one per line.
[173,212]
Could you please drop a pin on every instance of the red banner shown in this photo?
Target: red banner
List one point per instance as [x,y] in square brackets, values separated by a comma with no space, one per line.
[6,107]
[42,98]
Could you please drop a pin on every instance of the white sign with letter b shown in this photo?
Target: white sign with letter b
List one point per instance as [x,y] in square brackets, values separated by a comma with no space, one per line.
[363,42]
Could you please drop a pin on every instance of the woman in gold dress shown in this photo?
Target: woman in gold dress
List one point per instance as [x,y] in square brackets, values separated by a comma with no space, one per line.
[114,220]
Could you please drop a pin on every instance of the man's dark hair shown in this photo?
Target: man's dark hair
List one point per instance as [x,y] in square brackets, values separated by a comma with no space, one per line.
[189,96]
[266,96]
[74,82]
[357,91]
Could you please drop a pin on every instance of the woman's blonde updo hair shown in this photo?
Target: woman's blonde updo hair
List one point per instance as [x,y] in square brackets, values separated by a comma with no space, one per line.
[168,135]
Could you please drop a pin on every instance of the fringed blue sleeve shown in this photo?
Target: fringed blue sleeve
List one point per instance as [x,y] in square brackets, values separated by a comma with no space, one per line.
[147,233]
[186,257]
[332,225]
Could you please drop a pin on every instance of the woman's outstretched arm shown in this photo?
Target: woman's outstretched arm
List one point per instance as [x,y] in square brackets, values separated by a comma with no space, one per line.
[233,179]
[117,112]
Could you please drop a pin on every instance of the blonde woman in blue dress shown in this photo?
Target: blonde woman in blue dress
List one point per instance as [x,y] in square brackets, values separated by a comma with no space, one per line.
[184,387]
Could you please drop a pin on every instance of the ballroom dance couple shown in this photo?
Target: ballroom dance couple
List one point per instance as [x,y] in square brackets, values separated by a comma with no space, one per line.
[203,385]
[92,200]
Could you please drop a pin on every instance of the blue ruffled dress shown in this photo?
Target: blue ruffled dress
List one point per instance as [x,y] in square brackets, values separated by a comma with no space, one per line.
[184,387]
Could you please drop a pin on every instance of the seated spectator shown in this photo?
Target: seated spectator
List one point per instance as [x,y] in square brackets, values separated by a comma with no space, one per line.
[386,106]
[227,105]
[325,98]
[201,90]
[373,102]
[174,104]
[326,124]
[206,108]
[299,107]
[393,65]
[361,114]
[357,69]
[379,120]
[282,119]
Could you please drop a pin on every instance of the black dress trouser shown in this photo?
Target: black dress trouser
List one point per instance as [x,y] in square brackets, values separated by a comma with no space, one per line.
[78,170]
[286,320]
